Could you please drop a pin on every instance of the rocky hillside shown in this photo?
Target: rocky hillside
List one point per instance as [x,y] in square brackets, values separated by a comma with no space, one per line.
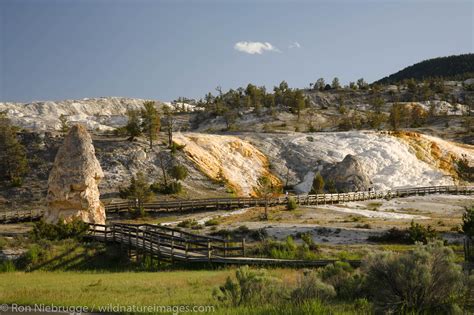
[102,114]
[220,165]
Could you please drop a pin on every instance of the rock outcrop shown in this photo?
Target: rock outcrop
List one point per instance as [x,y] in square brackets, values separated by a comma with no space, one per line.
[348,175]
[227,159]
[73,182]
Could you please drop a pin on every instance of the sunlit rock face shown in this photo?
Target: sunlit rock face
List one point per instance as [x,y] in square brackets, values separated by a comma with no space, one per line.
[228,159]
[73,182]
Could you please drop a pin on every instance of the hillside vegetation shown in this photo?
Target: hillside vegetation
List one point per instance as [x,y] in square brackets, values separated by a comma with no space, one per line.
[459,67]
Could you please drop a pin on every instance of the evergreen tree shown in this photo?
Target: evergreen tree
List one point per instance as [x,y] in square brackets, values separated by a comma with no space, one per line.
[335,84]
[395,116]
[132,127]
[13,161]
[64,127]
[168,124]
[179,172]
[362,84]
[138,190]
[318,184]
[150,121]
[468,222]
[320,84]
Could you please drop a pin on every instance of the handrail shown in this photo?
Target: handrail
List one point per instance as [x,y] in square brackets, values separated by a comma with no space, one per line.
[237,202]
[244,202]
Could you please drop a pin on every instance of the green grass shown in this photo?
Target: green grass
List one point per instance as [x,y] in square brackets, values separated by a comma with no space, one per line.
[124,288]
[168,288]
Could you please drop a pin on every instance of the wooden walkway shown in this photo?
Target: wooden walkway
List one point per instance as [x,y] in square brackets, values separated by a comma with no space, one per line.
[239,203]
[176,246]
[319,199]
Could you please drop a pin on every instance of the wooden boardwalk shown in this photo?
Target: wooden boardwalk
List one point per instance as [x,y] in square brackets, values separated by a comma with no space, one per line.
[319,199]
[176,246]
[239,203]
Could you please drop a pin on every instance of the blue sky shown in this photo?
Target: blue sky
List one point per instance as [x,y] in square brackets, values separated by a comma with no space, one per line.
[63,49]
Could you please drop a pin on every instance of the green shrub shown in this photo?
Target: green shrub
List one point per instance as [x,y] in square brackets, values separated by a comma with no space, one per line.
[7,266]
[286,250]
[253,287]
[212,222]
[311,287]
[138,212]
[415,233]
[173,187]
[61,230]
[425,280]
[346,281]
[419,233]
[308,240]
[176,147]
[190,224]
[467,226]
[291,204]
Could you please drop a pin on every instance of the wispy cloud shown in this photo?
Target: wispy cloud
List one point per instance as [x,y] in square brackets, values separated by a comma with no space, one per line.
[294,45]
[255,47]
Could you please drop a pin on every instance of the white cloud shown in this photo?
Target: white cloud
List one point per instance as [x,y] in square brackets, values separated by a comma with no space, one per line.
[255,47]
[294,45]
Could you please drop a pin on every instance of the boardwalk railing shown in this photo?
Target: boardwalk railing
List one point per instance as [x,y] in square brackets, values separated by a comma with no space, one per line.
[168,243]
[20,215]
[319,199]
[174,245]
[238,203]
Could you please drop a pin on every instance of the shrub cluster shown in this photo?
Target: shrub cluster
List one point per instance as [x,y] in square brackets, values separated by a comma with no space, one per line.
[289,249]
[190,224]
[291,205]
[423,281]
[62,230]
[174,187]
[415,233]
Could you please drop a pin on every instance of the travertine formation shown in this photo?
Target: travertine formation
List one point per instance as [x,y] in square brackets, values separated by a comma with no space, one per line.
[73,182]
[227,159]
[348,175]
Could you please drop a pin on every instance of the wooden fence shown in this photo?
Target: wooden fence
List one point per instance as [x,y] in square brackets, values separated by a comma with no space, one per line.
[174,245]
[319,199]
[20,215]
[239,203]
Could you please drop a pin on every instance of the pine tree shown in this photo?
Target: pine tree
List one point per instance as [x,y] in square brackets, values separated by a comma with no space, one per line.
[138,190]
[395,116]
[320,84]
[64,123]
[318,184]
[179,172]
[133,128]
[168,124]
[150,121]
[13,161]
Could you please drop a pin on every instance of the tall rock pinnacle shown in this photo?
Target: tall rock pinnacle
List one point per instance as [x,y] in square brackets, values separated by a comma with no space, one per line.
[73,182]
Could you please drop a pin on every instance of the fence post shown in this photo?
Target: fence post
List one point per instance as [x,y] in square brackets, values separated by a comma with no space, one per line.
[187,245]
[209,250]
[172,246]
[243,247]
[129,243]
[158,248]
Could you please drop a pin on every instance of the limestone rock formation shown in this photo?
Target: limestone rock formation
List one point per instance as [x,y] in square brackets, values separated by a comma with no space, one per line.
[73,182]
[348,175]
